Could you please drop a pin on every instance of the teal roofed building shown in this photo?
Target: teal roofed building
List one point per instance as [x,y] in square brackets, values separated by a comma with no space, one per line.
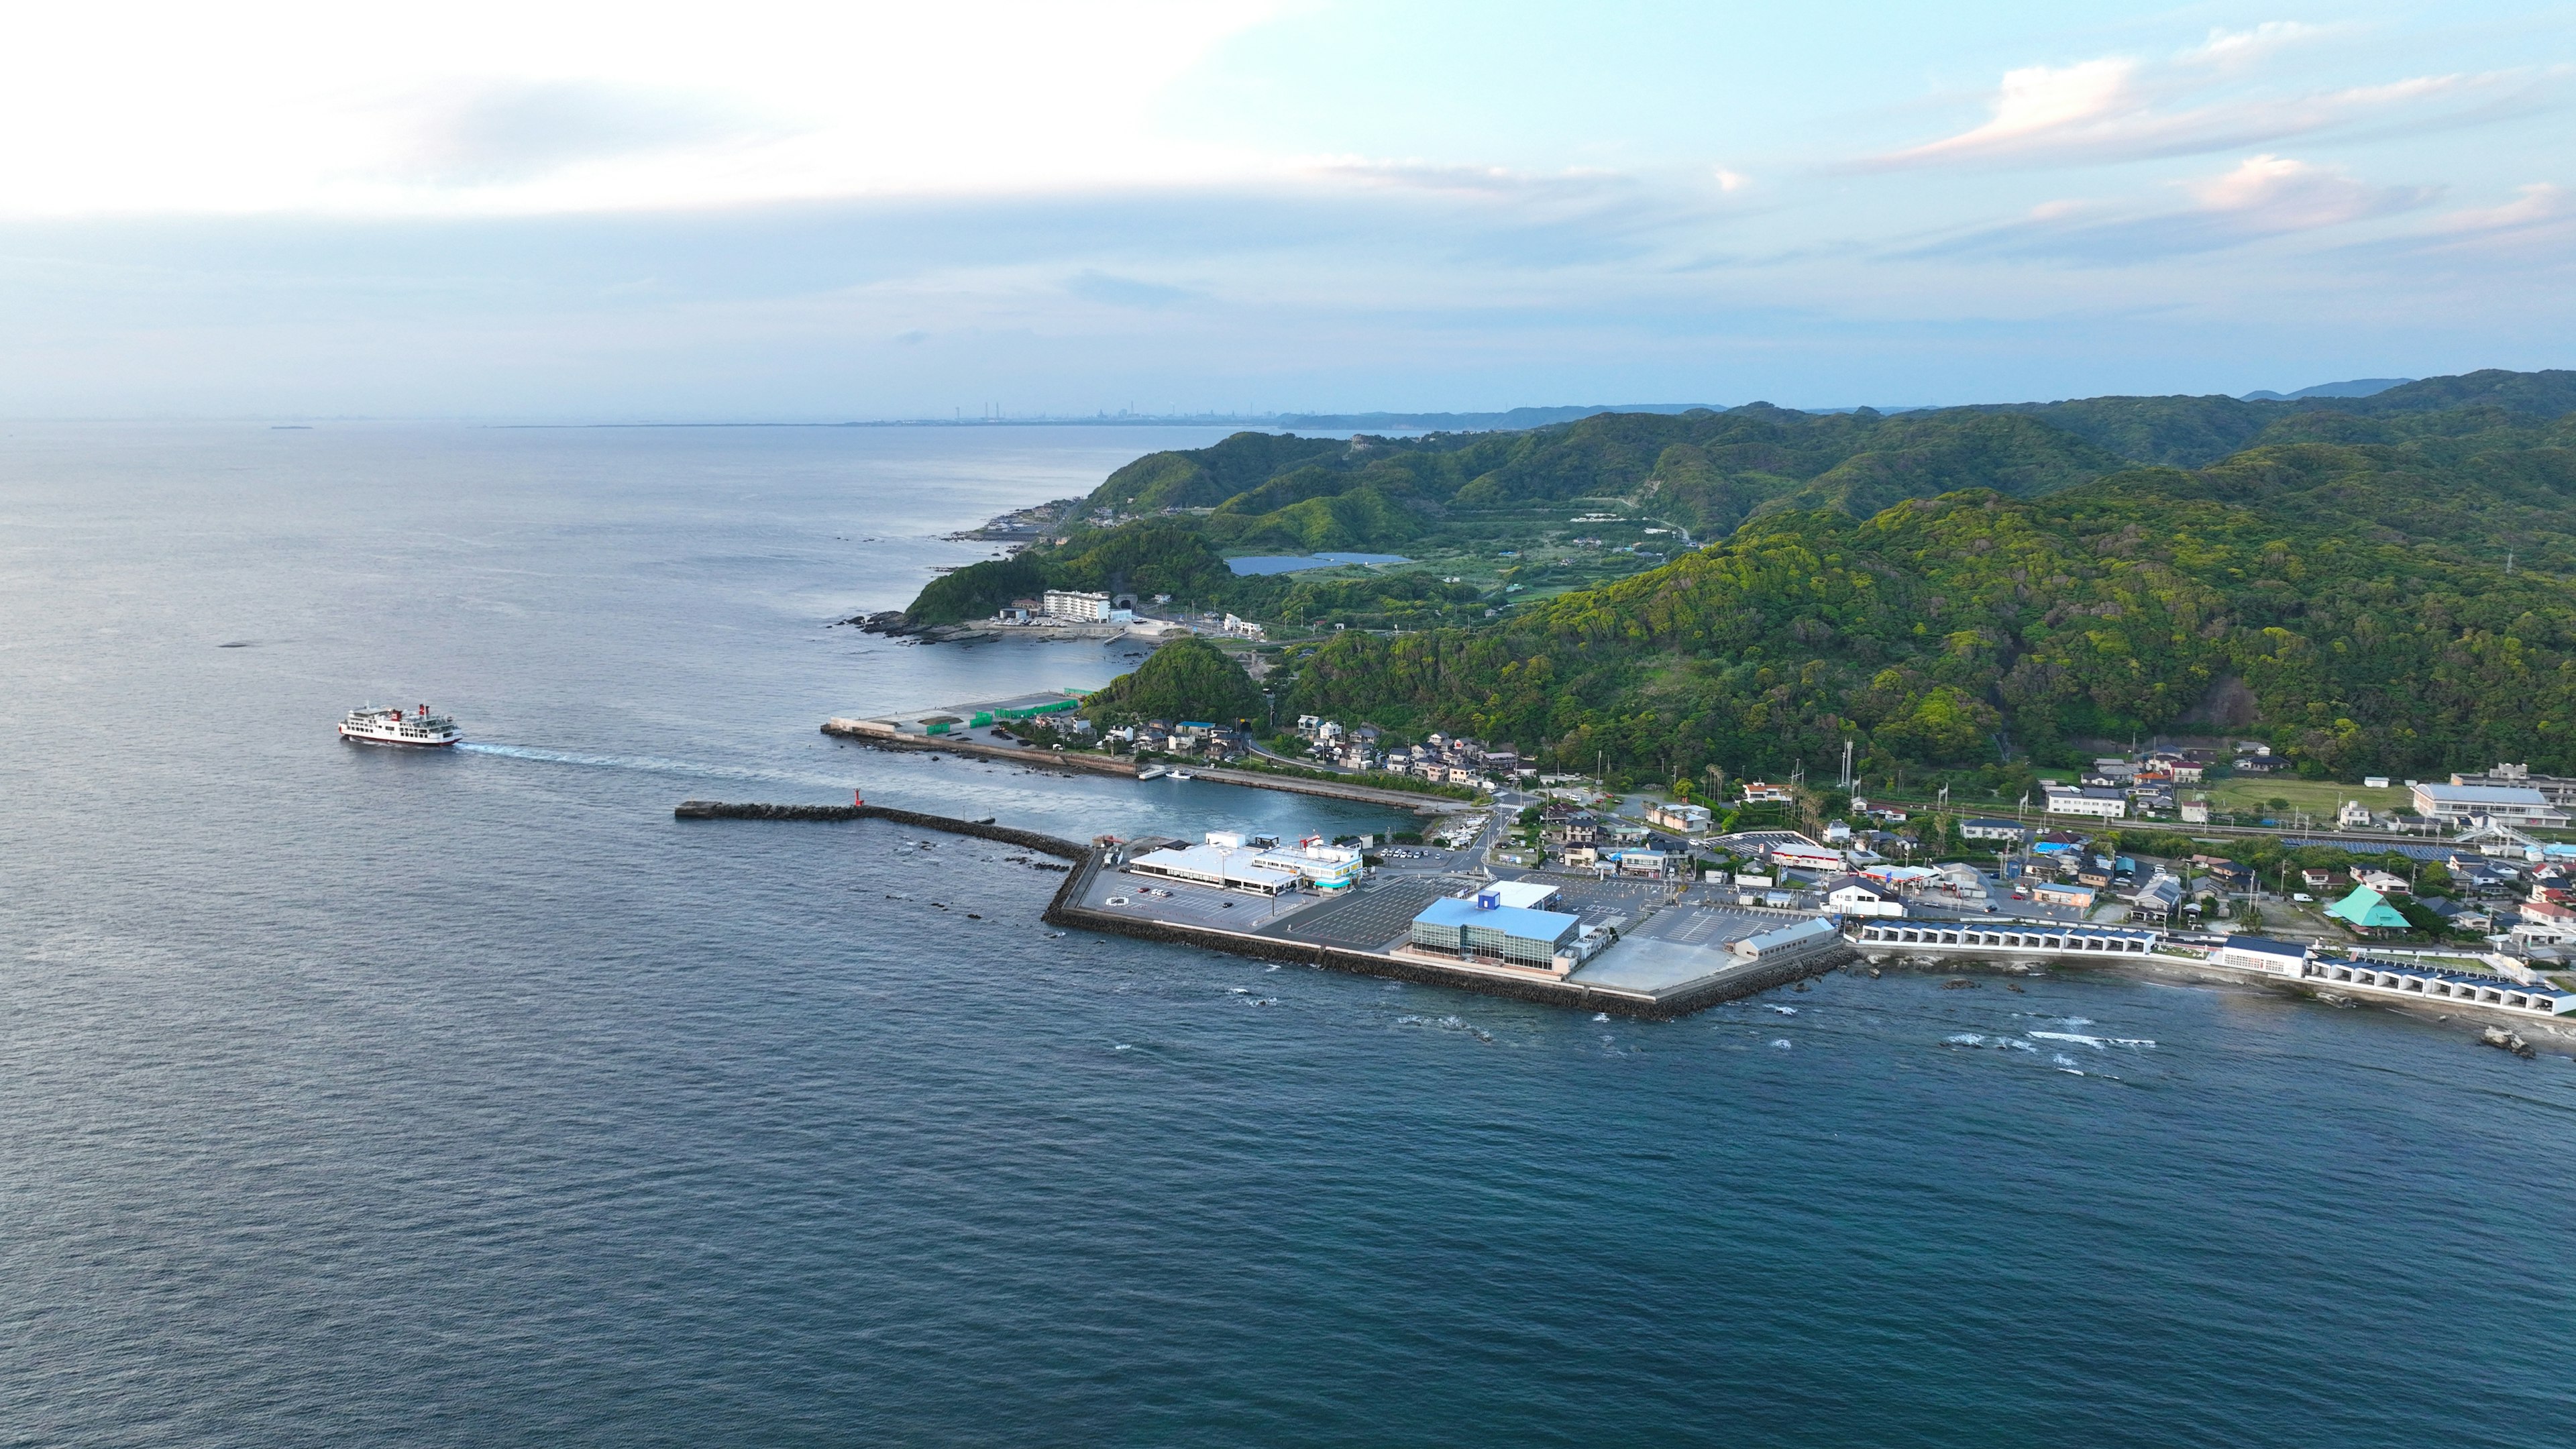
[2368,912]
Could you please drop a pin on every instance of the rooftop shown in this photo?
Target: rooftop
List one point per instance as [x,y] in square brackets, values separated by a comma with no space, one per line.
[1511,920]
[2482,795]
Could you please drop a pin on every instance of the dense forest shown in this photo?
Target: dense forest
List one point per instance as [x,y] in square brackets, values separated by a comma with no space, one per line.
[2372,584]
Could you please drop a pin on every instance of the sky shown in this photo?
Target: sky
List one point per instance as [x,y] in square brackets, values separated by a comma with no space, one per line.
[784,211]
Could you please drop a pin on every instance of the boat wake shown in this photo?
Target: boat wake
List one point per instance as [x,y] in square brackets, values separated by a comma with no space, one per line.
[656,766]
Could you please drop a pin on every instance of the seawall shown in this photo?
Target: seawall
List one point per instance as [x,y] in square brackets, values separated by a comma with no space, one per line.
[1064,910]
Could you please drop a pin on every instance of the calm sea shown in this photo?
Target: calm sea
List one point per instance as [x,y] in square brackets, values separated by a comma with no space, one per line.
[355,1097]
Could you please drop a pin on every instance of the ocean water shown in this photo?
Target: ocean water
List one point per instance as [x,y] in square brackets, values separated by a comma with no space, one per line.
[357,1097]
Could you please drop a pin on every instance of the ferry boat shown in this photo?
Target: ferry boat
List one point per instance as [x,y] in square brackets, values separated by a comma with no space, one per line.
[1152,772]
[373,724]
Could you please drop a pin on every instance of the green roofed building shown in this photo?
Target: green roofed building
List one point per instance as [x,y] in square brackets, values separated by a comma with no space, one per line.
[2368,912]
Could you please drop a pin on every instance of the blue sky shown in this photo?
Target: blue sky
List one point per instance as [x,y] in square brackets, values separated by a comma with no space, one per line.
[778,210]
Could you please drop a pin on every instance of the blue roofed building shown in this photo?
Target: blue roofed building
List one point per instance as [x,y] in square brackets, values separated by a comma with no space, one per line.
[1484,931]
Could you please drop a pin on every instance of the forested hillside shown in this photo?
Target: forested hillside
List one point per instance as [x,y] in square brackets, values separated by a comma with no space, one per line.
[1945,587]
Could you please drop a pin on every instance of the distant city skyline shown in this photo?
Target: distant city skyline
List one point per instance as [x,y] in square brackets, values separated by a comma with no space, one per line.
[803,212]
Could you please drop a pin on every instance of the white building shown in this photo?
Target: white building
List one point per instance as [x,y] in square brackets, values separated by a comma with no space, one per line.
[2504,805]
[1224,867]
[2101,803]
[1527,895]
[1853,896]
[1324,867]
[2353,816]
[1804,854]
[2257,953]
[1992,830]
[1080,607]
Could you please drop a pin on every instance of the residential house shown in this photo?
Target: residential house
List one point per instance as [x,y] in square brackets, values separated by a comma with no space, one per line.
[2460,916]
[1682,819]
[1853,895]
[2367,913]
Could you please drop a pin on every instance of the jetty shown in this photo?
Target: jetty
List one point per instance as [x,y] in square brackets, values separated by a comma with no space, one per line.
[1056,846]
[882,735]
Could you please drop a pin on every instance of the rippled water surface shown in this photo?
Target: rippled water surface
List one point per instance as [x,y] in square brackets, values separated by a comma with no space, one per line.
[357,1097]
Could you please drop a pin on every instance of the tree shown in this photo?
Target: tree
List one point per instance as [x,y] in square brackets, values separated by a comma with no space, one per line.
[1187,679]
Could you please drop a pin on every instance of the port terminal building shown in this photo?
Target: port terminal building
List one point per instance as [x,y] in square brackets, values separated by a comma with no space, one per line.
[1227,862]
[1481,929]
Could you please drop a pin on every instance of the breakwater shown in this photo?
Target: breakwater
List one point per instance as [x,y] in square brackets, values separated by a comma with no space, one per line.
[1054,845]
[868,732]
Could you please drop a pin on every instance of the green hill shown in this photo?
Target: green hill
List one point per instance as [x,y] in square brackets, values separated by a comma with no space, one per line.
[1187,679]
[1945,587]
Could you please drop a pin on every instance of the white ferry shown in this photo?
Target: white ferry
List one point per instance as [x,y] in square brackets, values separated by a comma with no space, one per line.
[1152,772]
[387,725]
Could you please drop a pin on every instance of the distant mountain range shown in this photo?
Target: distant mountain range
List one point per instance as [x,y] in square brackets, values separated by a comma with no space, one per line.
[2356,387]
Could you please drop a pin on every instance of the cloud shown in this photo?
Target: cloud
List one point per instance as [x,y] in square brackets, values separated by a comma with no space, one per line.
[1112,291]
[2243,47]
[2119,109]
[509,132]
[2263,197]
[2543,204]
[2538,227]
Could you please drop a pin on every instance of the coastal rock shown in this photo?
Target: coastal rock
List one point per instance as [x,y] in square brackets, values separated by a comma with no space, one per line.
[2503,1040]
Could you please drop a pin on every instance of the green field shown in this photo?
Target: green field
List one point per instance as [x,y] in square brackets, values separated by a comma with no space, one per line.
[2316,797]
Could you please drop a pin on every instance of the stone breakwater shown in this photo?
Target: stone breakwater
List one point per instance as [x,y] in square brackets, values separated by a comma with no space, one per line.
[1053,845]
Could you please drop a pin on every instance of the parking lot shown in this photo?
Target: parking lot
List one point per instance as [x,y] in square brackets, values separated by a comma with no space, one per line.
[1368,917]
[1152,898]
[1675,947]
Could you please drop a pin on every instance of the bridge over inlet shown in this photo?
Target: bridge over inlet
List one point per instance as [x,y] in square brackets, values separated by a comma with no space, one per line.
[1995,941]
